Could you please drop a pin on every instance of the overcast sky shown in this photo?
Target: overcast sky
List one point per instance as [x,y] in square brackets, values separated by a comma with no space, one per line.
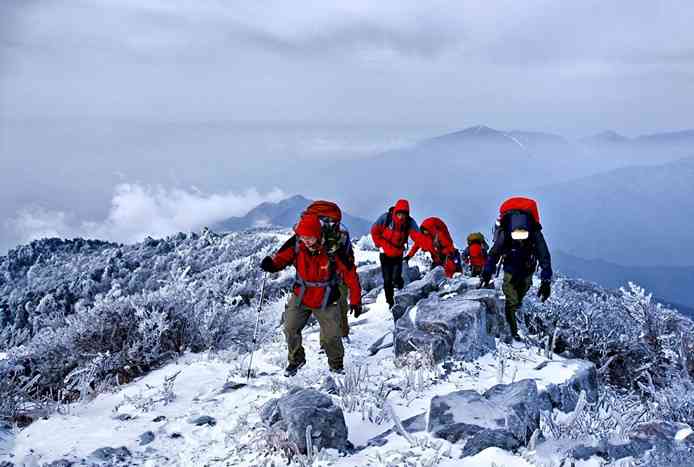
[568,67]
[122,118]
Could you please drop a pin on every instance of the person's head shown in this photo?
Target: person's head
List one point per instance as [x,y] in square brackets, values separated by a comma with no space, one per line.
[401,210]
[308,231]
[519,225]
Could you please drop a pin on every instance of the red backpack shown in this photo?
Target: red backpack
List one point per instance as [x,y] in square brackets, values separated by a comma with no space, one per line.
[327,209]
[519,203]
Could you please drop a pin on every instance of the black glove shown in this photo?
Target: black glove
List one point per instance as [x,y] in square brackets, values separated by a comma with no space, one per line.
[407,258]
[356,310]
[267,264]
[485,280]
[544,291]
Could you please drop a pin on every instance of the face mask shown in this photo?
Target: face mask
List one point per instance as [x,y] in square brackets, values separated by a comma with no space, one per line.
[519,234]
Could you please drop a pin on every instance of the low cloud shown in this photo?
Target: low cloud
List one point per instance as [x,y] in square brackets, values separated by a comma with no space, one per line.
[138,211]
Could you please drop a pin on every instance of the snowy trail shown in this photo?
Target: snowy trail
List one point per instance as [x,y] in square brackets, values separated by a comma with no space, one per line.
[198,390]
[213,384]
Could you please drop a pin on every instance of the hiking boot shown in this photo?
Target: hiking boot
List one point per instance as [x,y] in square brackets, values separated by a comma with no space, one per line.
[292,368]
[338,371]
[508,340]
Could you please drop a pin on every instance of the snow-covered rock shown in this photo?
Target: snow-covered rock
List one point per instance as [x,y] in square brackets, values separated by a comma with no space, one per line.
[448,325]
[493,306]
[407,338]
[420,288]
[504,416]
[564,395]
[301,408]
[461,322]
[371,278]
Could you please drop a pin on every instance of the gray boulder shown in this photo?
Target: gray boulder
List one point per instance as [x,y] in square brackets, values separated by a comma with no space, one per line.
[504,416]
[494,310]
[370,276]
[146,438]
[204,420]
[58,463]
[483,439]
[372,295]
[407,338]
[120,454]
[564,396]
[410,273]
[461,322]
[301,407]
[413,424]
[421,288]
[459,285]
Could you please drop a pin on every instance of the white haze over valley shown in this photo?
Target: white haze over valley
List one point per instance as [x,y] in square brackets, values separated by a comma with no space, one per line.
[138,211]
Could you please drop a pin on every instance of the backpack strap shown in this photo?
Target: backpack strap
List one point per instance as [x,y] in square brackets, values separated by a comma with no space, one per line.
[326,285]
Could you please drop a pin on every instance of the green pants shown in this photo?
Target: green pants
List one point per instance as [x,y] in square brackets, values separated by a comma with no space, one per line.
[344,309]
[297,315]
[514,290]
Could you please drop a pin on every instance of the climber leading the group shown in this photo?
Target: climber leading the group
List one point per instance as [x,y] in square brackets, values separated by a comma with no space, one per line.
[519,242]
[439,245]
[315,292]
[390,233]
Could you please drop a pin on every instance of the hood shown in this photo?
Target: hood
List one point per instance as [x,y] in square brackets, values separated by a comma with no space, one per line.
[402,206]
[308,226]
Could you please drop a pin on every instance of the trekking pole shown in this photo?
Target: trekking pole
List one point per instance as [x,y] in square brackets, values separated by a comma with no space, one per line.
[257,323]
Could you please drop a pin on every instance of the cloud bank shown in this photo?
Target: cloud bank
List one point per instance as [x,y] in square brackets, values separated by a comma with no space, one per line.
[138,211]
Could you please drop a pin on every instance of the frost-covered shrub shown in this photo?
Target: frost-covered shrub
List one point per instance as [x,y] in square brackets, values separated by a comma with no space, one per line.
[628,336]
[86,315]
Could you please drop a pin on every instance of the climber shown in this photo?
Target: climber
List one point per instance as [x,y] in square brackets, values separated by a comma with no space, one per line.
[336,241]
[519,242]
[475,255]
[390,233]
[442,251]
[315,292]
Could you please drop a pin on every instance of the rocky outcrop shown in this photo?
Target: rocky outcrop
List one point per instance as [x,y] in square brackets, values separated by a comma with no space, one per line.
[505,416]
[445,326]
[299,408]
[564,396]
[371,278]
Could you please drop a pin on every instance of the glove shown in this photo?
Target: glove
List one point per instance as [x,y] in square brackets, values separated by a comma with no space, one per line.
[407,258]
[356,310]
[267,264]
[544,291]
[485,280]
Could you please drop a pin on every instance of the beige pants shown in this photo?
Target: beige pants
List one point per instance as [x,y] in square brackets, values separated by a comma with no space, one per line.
[330,331]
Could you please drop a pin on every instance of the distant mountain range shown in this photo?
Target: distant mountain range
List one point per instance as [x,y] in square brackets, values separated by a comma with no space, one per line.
[669,285]
[285,213]
[641,215]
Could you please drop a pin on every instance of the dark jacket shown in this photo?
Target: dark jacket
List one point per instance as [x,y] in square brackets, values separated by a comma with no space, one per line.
[520,257]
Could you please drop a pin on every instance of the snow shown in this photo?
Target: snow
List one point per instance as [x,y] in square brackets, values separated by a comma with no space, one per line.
[683,433]
[81,428]
[487,458]
[3,355]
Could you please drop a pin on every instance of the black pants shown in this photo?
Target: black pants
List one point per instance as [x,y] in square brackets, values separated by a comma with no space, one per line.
[391,268]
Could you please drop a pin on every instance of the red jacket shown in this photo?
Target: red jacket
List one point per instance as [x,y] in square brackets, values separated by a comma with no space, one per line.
[438,239]
[317,267]
[390,234]
[477,256]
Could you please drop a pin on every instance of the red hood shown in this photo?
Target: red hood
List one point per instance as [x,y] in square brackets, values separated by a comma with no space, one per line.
[402,206]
